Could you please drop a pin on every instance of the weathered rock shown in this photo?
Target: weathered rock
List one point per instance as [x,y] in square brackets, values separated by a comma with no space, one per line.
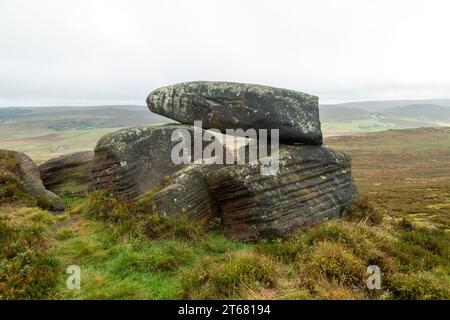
[132,161]
[68,174]
[188,193]
[31,182]
[227,105]
[313,184]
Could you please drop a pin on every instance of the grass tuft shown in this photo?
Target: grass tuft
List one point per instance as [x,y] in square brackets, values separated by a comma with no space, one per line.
[27,269]
[228,277]
[362,210]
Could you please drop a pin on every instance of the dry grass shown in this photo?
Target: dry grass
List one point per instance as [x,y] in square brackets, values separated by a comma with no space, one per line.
[404,173]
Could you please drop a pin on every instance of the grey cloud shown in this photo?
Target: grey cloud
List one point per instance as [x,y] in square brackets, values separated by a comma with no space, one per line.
[89,52]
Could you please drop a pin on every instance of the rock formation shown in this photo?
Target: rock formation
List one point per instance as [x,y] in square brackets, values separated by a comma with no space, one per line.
[68,174]
[132,161]
[227,105]
[30,180]
[313,184]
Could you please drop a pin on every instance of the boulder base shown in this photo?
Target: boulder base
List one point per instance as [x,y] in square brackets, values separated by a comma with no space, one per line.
[313,184]
[188,193]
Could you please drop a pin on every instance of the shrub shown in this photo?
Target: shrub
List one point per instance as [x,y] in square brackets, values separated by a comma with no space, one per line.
[43,217]
[166,227]
[421,249]
[44,203]
[27,270]
[284,250]
[420,286]
[406,224]
[138,218]
[65,234]
[361,210]
[335,263]
[359,239]
[215,225]
[228,277]
[10,182]
[432,240]
[100,204]
[144,205]
[333,290]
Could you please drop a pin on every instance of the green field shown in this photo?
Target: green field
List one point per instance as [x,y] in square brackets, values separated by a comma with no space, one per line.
[356,126]
[372,124]
[48,132]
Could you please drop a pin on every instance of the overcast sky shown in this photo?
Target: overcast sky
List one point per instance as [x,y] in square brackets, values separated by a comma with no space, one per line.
[57,52]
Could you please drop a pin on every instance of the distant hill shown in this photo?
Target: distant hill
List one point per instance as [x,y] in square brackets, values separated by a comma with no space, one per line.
[375,106]
[339,113]
[371,116]
[46,132]
[63,118]
[420,111]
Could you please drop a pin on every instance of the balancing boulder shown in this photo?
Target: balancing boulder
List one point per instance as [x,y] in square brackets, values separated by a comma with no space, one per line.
[227,105]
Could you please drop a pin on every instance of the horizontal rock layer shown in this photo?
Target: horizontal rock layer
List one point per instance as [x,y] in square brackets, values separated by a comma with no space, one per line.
[312,184]
[68,174]
[132,161]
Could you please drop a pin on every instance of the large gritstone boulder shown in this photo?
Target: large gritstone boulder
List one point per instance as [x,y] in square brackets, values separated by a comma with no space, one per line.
[68,174]
[132,161]
[312,184]
[227,105]
[18,168]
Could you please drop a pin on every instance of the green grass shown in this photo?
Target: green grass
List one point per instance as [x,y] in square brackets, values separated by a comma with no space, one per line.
[120,259]
[43,144]
[131,254]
